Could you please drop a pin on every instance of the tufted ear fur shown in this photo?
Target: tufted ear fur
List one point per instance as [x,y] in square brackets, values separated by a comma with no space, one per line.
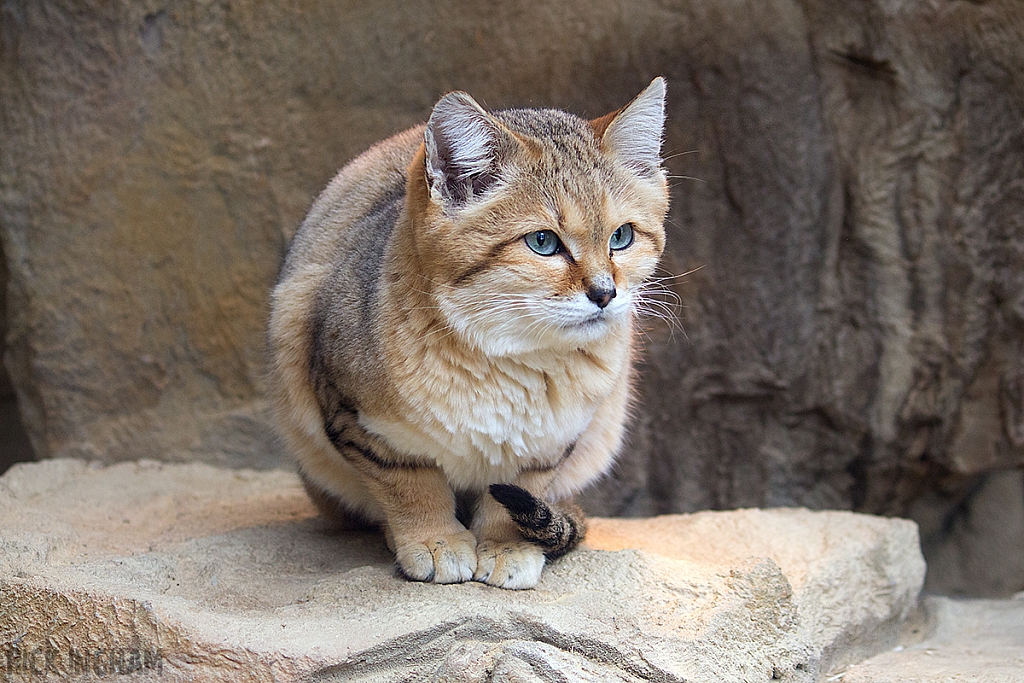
[462,145]
[633,134]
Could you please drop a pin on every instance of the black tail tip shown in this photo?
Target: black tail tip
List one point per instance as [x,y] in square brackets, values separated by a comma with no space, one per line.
[556,530]
[517,500]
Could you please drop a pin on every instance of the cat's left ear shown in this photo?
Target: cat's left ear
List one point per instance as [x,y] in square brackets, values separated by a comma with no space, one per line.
[462,147]
[633,134]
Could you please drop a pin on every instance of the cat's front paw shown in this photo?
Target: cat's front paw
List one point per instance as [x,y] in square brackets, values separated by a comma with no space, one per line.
[443,559]
[514,565]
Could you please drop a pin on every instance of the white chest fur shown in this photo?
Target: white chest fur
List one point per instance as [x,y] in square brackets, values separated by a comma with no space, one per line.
[483,420]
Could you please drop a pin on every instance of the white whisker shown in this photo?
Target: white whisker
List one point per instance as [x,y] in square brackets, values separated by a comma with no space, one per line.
[680,154]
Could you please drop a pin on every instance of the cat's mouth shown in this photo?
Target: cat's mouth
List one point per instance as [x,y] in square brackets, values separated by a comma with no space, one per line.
[596,318]
[593,319]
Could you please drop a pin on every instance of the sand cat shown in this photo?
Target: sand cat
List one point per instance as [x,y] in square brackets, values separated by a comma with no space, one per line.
[453,328]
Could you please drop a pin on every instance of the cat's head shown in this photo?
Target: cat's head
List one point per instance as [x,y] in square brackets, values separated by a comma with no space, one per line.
[536,228]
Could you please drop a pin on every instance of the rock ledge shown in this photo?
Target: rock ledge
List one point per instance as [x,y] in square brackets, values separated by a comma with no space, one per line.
[190,572]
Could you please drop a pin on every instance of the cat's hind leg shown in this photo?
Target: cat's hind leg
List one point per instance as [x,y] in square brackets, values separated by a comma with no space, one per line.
[334,509]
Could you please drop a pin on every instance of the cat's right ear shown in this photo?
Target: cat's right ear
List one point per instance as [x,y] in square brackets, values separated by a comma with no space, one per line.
[633,134]
[462,142]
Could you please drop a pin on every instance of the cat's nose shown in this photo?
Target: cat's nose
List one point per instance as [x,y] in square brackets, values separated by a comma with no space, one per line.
[601,294]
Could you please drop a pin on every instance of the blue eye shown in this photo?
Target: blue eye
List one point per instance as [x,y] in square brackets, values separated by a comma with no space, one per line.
[544,242]
[622,237]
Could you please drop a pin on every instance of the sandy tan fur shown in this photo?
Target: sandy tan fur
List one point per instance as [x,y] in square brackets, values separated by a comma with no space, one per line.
[420,348]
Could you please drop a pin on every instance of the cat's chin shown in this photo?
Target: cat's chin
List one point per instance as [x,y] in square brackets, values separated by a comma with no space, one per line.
[583,322]
[588,331]
[550,337]
[590,328]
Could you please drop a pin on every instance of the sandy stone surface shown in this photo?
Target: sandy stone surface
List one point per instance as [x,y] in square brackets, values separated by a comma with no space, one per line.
[967,641]
[190,572]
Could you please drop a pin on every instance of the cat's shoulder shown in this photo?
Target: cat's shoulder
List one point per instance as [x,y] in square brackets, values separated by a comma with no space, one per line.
[369,184]
[372,174]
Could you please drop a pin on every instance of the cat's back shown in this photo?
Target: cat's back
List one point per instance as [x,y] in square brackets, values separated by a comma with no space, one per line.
[366,186]
[324,296]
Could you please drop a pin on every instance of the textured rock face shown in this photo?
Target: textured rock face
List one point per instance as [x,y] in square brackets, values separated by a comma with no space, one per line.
[14,445]
[189,572]
[981,552]
[853,338]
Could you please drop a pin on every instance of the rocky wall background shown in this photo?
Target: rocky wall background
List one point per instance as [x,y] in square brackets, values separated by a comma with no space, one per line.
[849,179]
[14,444]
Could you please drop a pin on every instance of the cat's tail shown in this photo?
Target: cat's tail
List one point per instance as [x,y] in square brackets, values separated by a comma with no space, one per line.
[555,528]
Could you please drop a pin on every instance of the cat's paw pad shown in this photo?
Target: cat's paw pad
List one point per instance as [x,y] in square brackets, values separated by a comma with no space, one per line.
[442,559]
[509,565]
